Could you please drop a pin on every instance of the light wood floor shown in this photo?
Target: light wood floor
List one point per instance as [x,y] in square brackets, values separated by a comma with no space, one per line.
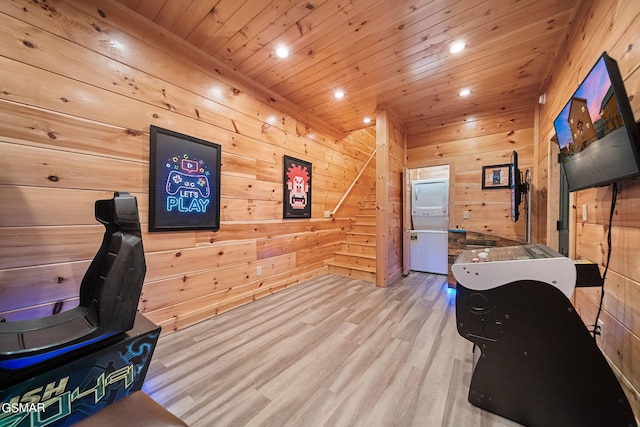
[333,351]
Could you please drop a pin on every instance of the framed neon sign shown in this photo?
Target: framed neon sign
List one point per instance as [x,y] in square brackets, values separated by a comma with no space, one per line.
[184,182]
[297,188]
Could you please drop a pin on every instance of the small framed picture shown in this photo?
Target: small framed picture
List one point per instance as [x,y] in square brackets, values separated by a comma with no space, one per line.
[496,176]
[184,182]
[297,188]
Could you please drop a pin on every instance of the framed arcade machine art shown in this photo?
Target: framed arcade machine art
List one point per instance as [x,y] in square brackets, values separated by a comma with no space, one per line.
[297,188]
[184,182]
[496,176]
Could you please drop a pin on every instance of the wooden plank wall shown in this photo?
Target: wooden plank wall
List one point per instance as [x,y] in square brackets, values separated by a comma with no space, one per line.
[81,84]
[366,186]
[615,27]
[390,163]
[489,210]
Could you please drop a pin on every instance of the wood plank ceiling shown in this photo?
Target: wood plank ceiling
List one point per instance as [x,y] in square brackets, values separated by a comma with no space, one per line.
[381,51]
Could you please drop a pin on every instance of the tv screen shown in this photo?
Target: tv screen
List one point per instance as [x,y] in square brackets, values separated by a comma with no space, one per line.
[516,193]
[596,131]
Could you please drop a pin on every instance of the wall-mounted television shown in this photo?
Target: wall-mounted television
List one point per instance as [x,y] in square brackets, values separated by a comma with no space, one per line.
[516,189]
[597,134]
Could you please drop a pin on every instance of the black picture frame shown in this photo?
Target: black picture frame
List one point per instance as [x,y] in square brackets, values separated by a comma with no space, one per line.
[297,187]
[496,176]
[184,182]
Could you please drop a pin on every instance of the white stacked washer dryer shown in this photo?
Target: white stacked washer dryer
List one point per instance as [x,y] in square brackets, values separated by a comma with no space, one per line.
[430,216]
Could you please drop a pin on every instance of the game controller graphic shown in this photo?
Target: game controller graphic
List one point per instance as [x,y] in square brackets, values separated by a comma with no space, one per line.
[177,181]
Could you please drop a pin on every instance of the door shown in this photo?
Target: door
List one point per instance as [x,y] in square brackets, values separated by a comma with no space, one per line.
[563,221]
[406,224]
[420,173]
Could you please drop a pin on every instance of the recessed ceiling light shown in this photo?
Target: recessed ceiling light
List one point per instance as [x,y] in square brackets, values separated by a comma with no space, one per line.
[282,52]
[465,92]
[339,94]
[216,91]
[367,120]
[272,120]
[457,47]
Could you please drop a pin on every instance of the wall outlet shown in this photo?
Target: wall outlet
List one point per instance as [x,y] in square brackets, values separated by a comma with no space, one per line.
[600,329]
[259,270]
[465,214]
[327,214]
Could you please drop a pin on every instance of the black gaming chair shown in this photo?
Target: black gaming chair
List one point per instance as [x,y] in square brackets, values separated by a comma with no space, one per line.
[109,295]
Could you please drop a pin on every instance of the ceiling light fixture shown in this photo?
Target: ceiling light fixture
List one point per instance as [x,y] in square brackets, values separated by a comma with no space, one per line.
[338,94]
[465,92]
[216,91]
[282,52]
[367,120]
[457,47]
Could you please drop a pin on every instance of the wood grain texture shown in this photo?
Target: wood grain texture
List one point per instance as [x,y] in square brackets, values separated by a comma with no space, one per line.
[82,84]
[333,351]
[380,52]
[390,164]
[584,45]
[82,81]
[489,210]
